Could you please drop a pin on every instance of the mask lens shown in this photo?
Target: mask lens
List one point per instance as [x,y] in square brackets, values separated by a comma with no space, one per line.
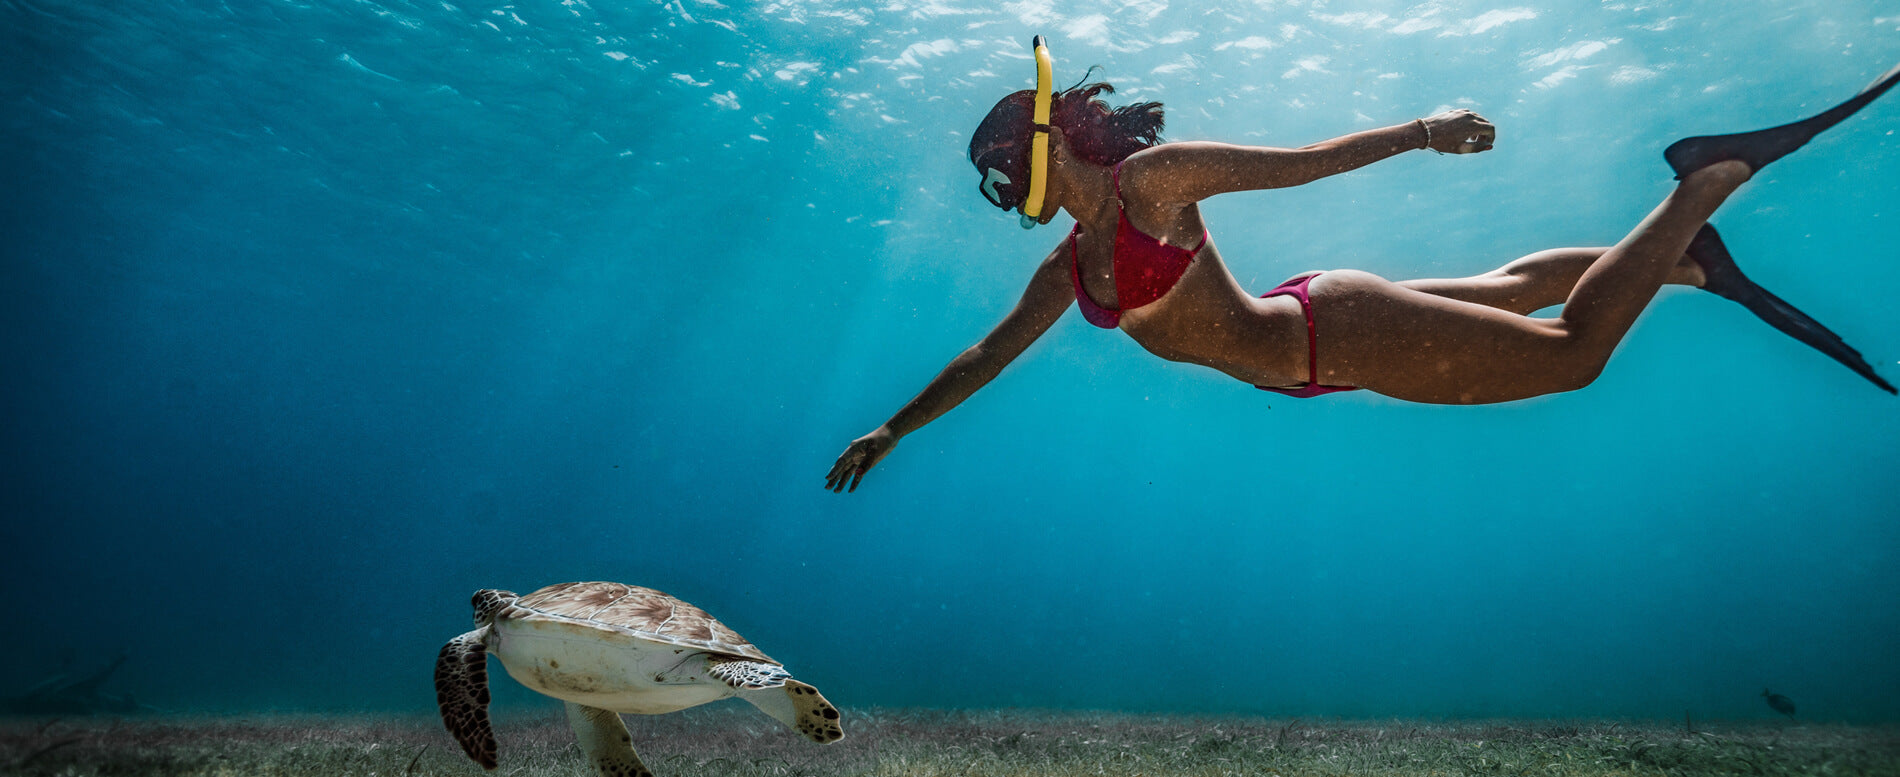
[997,188]
[1003,184]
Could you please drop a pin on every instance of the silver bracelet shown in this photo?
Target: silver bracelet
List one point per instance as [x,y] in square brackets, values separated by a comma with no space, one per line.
[1428,134]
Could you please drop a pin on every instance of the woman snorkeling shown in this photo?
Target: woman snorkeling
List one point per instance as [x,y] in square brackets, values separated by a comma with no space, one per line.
[1140,259]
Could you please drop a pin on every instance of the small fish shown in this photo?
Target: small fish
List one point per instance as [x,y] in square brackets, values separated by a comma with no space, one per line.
[1779,703]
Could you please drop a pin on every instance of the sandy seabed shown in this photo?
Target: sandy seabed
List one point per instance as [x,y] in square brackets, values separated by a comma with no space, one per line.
[730,739]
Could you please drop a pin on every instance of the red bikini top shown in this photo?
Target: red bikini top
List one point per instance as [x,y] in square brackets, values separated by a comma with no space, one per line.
[1144,268]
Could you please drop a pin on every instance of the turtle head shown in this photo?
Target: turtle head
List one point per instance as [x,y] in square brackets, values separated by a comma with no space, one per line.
[488,602]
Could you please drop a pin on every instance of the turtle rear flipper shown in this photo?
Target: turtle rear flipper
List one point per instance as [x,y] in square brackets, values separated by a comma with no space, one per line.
[801,707]
[461,692]
[605,742]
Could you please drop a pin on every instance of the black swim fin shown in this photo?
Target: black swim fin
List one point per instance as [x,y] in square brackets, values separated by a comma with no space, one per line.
[1727,281]
[1760,147]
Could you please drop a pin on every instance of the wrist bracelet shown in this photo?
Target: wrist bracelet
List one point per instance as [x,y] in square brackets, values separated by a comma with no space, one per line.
[1428,133]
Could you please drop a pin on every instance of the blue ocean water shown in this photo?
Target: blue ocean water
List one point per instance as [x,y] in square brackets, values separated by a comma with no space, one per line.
[319,316]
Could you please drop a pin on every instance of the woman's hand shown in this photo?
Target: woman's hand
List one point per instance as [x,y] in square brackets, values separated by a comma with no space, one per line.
[1459,132]
[863,454]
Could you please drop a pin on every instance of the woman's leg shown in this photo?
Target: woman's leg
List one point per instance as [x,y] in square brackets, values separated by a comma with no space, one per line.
[1616,289]
[1412,344]
[1422,347]
[1537,281]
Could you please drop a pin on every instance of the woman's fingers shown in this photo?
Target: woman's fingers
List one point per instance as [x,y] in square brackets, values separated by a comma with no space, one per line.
[846,479]
[842,471]
[1485,137]
[849,471]
[1473,132]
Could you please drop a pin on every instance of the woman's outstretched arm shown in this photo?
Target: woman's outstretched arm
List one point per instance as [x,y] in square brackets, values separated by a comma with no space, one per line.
[1193,171]
[1042,303]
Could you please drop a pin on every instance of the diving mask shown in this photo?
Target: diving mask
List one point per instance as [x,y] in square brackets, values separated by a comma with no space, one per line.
[1011,181]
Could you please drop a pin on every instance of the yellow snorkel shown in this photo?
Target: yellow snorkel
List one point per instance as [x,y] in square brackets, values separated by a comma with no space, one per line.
[1039,142]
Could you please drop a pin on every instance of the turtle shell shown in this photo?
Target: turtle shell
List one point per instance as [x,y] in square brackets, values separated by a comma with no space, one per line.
[632,611]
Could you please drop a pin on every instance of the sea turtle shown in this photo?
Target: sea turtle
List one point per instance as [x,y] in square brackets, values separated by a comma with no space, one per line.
[1779,703]
[607,648]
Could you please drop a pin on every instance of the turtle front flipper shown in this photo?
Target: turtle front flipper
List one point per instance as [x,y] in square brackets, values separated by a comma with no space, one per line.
[747,675]
[801,707]
[461,691]
[605,742]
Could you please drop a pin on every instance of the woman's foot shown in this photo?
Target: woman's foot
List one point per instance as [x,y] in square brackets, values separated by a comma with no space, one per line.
[1726,280]
[1708,187]
[1688,273]
[1757,149]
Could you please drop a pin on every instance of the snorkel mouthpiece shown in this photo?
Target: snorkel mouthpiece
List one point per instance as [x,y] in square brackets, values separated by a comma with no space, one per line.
[1039,142]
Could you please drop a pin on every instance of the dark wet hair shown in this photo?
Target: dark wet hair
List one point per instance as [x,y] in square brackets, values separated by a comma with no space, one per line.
[1095,131]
